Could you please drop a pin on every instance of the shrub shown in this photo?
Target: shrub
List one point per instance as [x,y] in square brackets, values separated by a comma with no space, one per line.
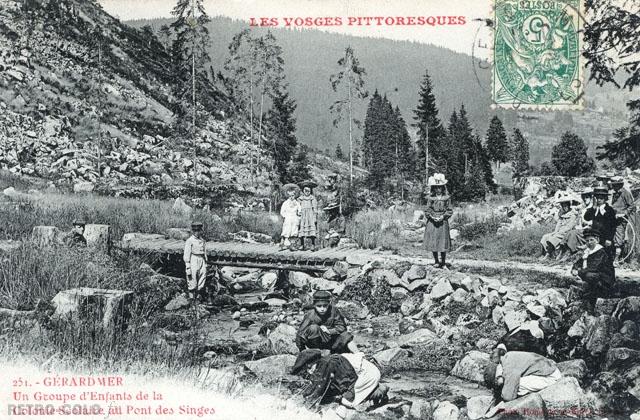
[478,229]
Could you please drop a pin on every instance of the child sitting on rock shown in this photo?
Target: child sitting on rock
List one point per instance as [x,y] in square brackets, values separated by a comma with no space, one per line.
[324,327]
[594,269]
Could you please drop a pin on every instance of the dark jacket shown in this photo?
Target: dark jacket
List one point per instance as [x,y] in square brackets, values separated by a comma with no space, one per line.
[333,320]
[605,223]
[333,376]
[597,263]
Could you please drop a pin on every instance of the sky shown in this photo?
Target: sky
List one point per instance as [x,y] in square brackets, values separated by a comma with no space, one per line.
[458,37]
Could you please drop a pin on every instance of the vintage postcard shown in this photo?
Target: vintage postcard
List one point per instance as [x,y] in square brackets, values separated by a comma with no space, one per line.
[319,209]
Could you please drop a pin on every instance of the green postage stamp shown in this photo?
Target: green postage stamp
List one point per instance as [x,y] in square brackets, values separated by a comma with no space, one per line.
[537,60]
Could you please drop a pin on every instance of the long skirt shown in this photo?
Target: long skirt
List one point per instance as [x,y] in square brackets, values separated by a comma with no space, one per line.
[437,238]
[308,223]
[290,227]
[554,239]
[575,239]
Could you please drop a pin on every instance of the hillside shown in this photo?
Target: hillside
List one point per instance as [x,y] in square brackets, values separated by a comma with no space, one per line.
[60,88]
[395,68]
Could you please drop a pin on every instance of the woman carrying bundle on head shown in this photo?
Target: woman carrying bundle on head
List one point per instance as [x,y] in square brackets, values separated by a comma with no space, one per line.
[437,213]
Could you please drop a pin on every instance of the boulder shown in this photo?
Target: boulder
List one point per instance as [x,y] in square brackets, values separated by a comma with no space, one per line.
[390,277]
[399,293]
[268,280]
[419,284]
[46,235]
[420,409]
[627,337]
[387,357]
[272,368]
[416,272]
[478,406]
[441,289]
[551,298]
[177,303]
[341,268]
[331,275]
[420,336]
[471,366]
[486,344]
[529,407]
[106,308]
[576,368]
[410,305]
[98,236]
[598,337]
[181,208]
[283,339]
[514,295]
[83,187]
[497,315]
[565,398]
[446,411]
[492,283]
[622,359]
[606,306]
[180,234]
[299,279]
[352,310]
[514,319]
[581,326]
[537,310]
[472,285]
[460,295]
[628,309]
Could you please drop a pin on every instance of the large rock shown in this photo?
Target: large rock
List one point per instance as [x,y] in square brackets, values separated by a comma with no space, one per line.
[446,411]
[107,308]
[529,407]
[421,336]
[478,406]
[419,284]
[410,305]
[551,298]
[566,397]
[283,339]
[341,268]
[181,234]
[622,359]
[606,306]
[460,295]
[514,319]
[420,409]
[390,277]
[98,236]
[574,368]
[471,366]
[177,303]
[46,235]
[352,310]
[387,357]
[441,289]
[299,279]
[416,272]
[180,207]
[599,335]
[628,309]
[272,368]
[581,326]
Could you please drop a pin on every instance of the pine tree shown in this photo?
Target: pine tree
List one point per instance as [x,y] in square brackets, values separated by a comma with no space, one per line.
[299,169]
[429,125]
[485,165]
[497,144]
[570,156]
[282,127]
[339,154]
[351,79]
[519,153]
[624,150]
[372,130]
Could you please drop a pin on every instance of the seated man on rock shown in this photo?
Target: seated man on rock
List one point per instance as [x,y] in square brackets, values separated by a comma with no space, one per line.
[513,374]
[594,269]
[350,377]
[324,327]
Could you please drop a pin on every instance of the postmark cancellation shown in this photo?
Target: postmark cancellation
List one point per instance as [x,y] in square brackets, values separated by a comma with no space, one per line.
[537,61]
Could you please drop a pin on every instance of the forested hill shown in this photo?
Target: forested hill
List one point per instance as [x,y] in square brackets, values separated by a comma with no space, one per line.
[395,68]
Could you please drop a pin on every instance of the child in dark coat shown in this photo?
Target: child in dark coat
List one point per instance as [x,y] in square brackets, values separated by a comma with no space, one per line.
[324,327]
[595,268]
[603,217]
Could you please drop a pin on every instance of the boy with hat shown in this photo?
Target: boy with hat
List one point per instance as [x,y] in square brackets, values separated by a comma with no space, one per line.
[76,236]
[623,203]
[603,218]
[594,268]
[195,260]
[324,327]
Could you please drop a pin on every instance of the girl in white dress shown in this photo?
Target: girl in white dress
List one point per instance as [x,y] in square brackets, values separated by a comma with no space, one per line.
[290,212]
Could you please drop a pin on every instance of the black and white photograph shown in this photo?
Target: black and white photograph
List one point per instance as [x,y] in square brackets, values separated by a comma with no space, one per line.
[320,209]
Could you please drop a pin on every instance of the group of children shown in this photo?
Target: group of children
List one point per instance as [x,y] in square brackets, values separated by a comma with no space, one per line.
[300,216]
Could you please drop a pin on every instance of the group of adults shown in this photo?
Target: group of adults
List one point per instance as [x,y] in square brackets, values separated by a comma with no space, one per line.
[606,208]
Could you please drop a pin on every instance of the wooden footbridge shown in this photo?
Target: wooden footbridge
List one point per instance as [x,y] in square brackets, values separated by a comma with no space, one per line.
[266,256]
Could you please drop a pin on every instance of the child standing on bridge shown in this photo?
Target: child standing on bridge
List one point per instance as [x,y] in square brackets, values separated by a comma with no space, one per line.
[290,212]
[436,233]
[195,260]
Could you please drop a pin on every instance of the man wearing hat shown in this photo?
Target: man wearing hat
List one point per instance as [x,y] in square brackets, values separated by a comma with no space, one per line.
[195,260]
[623,203]
[603,218]
[594,269]
[76,236]
[324,327]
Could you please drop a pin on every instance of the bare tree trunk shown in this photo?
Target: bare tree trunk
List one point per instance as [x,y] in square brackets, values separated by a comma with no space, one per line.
[99,109]
[350,130]
[426,156]
[193,100]
[260,130]
[251,123]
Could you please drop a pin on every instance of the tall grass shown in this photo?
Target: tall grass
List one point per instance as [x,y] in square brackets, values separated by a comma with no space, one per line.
[379,228]
[123,215]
